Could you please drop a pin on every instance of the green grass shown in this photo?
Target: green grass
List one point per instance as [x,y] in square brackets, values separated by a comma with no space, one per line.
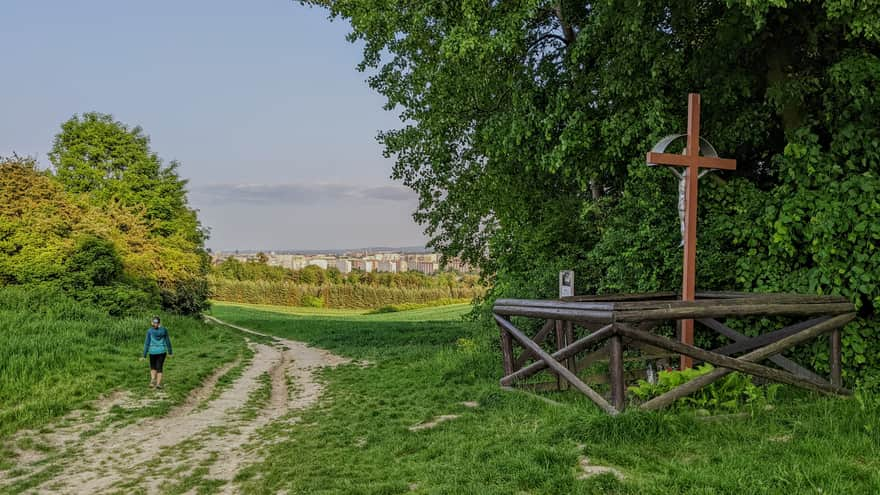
[59,355]
[294,310]
[427,362]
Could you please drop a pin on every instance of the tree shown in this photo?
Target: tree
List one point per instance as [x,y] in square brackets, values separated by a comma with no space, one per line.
[47,236]
[525,123]
[113,164]
[312,275]
[97,155]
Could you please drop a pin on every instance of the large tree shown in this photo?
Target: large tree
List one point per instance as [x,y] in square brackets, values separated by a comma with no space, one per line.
[525,124]
[105,158]
[112,164]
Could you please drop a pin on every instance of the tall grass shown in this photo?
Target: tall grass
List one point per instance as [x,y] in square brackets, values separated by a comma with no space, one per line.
[58,354]
[285,293]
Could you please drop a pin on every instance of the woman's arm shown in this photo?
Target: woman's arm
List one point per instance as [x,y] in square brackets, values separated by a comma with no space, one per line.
[168,342]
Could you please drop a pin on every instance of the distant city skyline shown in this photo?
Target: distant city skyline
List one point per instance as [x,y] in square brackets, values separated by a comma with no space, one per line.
[332,250]
[260,102]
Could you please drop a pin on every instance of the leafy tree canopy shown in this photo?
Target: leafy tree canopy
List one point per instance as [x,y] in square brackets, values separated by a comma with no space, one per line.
[97,155]
[111,163]
[525,124]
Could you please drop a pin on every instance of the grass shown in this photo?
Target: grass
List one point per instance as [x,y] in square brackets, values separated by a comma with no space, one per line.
[59,355]
[427,362]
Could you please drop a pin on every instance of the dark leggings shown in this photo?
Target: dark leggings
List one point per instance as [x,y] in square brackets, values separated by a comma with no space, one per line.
[156,361]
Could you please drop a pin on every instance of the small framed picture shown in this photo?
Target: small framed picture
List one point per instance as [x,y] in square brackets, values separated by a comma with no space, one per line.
[566,283]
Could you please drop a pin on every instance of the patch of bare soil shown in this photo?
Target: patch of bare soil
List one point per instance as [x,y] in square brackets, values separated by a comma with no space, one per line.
[589,470]
[427,425]
[219,437]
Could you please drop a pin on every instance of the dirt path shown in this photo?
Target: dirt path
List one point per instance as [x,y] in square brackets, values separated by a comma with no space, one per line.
[207,440]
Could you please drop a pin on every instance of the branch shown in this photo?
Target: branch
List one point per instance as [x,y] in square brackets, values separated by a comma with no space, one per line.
[567,30]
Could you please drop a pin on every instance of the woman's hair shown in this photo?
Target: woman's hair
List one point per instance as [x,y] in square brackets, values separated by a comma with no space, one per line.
[156,319]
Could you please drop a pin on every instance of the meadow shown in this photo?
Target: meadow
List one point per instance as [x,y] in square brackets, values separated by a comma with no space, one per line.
[415,366]
[60,355]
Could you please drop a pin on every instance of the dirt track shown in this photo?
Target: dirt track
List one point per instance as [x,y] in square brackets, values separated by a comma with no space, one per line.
[217,437]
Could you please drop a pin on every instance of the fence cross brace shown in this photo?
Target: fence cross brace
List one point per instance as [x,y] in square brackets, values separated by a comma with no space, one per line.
[767,346]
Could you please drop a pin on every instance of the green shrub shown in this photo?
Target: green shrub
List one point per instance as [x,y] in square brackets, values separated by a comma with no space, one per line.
[730,393]
[311,301]
[186,296]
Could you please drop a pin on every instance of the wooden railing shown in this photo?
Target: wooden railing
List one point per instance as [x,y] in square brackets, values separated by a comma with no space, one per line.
[627,320]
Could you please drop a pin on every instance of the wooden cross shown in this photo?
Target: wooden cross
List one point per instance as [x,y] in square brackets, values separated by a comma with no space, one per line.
[692,161]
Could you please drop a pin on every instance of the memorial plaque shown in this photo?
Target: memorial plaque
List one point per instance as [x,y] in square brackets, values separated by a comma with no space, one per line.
[566,283]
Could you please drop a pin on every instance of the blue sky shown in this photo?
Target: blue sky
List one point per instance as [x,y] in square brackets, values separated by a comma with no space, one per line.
[259,100]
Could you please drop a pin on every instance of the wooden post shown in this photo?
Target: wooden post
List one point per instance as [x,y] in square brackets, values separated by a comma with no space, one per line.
[569,338]
[506,350]
[566,289]
[615,366]
[835,358]
[560,344]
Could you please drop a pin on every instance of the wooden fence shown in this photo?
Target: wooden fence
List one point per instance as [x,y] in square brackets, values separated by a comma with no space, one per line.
[627,321]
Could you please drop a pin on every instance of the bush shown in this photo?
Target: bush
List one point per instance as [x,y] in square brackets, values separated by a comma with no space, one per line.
[727,394]
[311,301]
[187,296]
[95,275]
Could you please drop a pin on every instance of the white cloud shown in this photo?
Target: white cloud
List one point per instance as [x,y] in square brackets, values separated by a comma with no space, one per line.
[296,193]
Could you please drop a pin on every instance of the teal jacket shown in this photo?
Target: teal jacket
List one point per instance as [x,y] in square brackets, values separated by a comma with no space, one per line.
[157,342]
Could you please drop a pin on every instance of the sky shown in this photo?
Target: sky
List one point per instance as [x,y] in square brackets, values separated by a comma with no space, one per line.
[258,100]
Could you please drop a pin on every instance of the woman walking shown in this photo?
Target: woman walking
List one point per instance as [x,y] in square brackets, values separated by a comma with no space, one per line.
[158,345]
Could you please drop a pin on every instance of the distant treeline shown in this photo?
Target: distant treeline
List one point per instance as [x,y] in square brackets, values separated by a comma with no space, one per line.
[232,269]
[258,283]
[288,293]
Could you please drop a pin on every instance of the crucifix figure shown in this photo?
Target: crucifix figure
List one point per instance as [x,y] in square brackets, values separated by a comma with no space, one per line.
[692,161]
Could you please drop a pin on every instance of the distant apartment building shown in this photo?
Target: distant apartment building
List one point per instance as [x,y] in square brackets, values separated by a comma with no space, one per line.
[319,262]
[459,266]
[289,261]
[402,266]
[426,267]
[344,266]
[387,266]
[363,265]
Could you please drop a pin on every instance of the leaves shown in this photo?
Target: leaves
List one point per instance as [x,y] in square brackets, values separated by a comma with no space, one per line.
[525,123]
